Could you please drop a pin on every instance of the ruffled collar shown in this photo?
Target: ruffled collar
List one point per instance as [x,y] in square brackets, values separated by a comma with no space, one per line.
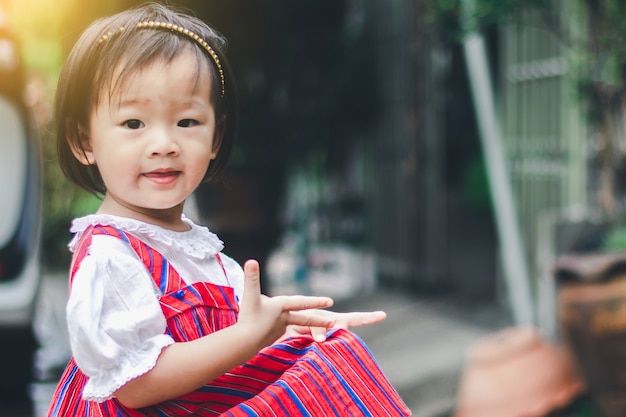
[198,242]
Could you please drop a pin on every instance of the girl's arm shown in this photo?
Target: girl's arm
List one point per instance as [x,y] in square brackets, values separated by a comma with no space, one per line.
[184,367]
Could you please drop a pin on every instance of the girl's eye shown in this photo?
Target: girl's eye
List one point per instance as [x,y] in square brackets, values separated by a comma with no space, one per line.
[133,124]
[188,123]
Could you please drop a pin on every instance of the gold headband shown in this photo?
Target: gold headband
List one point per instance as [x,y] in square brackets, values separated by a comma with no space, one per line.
[185,32]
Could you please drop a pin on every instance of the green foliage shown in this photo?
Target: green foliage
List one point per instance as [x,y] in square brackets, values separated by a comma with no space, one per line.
[604,35]
[607,28]
[452,21]
[615,240]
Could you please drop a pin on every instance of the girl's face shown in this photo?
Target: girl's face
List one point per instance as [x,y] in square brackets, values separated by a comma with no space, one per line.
[152,140]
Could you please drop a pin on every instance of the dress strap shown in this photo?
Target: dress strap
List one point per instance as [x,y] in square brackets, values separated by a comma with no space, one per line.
[221,263]
[80,252]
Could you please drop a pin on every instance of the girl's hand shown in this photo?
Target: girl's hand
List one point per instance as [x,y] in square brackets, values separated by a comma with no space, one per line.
[264,319]
[339,321]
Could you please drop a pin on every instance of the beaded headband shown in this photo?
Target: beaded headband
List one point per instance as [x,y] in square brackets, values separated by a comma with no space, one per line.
[185,32]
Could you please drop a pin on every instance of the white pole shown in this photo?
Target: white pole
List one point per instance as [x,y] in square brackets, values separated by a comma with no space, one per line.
[513,257]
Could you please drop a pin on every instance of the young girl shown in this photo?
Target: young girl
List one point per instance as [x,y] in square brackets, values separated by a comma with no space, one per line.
[161,322]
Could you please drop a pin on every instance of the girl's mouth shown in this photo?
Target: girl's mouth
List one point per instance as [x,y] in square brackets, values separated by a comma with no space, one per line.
[162,176]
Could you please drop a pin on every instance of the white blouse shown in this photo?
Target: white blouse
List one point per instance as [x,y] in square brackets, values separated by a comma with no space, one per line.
[115,322]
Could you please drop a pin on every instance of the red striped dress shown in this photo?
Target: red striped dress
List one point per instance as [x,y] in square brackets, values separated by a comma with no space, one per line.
[297,377]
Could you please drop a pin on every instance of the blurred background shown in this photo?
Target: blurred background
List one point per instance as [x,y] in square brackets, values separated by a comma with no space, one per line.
[437,158]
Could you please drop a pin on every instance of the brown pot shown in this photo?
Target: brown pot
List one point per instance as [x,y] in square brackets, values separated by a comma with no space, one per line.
[592,320]
[514,373]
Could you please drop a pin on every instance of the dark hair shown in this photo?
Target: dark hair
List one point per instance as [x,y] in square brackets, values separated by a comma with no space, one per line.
[114,46]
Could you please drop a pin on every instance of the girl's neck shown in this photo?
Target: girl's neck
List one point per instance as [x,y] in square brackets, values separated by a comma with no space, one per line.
[167,218]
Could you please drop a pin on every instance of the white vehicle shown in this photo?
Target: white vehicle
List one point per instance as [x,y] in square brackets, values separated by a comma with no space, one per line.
[20,214]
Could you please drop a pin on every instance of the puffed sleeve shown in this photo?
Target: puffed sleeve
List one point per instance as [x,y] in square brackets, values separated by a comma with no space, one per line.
[115,322]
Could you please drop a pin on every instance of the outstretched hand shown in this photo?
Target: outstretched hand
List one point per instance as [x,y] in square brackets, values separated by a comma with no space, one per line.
[339,321]
[267,318]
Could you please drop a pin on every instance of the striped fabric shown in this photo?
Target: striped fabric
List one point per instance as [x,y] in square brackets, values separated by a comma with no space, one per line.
[297,377]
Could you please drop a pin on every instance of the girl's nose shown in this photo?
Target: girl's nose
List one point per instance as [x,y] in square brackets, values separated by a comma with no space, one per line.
[162,143]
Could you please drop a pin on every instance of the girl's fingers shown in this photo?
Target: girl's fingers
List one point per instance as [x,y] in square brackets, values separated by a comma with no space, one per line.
[301,318]
[357,319]
[252,277]
[318,333]
[346,321]
[302,302]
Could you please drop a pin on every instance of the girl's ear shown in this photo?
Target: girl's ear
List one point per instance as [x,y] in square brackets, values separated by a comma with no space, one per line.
[78,139]
[218,136]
